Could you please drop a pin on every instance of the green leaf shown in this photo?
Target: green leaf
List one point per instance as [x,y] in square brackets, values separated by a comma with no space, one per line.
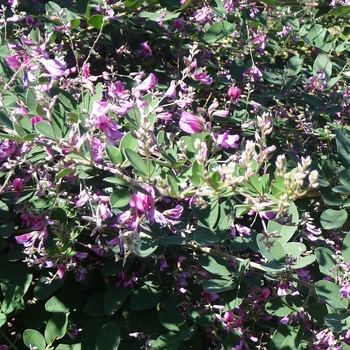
[114,298]
[43,290]
[324,257]
[95,305]
[120,198]
[82,6]
[91,330]
[96,21]
[209,215]
[304,261]
[215,265]
[108,337]
[329,292]
[76,346]
[320,37]
[344,177]
[343,146]
[337,322]
[56,328]
[287,231]
[172,321]
[287,337]
[323,62]
[115,180]
[271,249]
[340,11]
[205,237]
[167,341]
[63,173]
[283,306]
[4,212]
[65,99]
[346,248]
[64,302]
[45,129]
[136,161]
[218,31]
[294,249]
[3,319]
[318,311]
[32,339]
[114,154]
[145,298]
[219,285]
[294,66]
[331,218]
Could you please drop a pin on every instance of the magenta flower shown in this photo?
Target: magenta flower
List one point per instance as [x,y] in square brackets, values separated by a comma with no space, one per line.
[234,93]
[190,123]
[35,120]
[141,204]
[149,83]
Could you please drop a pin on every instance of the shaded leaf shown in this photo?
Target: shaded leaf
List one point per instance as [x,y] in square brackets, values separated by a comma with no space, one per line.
[108,337]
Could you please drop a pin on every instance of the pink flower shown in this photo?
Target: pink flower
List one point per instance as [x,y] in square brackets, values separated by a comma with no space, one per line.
[171,92]
[149,83]
[190,123]
[227,141]
[234,93]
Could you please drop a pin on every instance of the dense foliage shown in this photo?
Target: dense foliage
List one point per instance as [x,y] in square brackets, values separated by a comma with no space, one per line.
[174,174]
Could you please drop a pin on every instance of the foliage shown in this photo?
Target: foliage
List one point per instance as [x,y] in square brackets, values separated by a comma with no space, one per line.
[174,175]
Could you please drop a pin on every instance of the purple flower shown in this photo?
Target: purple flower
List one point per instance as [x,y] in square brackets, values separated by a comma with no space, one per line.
[144,51]
[97,148]
[345,291]
[227,141]
[13,61]
[204,15]
[55,67]
[253,74]
[203,78]
[190,123]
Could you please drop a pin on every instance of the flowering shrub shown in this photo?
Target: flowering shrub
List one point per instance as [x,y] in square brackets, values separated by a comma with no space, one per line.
[174,175]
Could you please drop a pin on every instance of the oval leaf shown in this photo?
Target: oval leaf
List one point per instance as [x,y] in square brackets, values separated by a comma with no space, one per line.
[145,298]
[329,292]
[56,328]
[108,337]
[331,218]
[32,338]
